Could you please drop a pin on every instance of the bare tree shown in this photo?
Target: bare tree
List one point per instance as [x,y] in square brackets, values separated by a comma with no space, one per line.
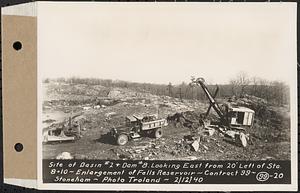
[239,84]
[279,93]
[255,84]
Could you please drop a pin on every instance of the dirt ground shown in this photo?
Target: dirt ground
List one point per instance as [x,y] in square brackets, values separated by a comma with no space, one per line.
[99,114]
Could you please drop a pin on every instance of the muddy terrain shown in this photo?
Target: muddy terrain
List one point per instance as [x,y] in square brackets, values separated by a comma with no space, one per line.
[98,109]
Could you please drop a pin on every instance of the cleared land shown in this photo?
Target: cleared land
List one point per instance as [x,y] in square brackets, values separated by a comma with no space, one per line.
[101,108]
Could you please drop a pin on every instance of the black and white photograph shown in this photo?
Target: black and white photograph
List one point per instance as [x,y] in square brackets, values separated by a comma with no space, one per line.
[91,118]
[149,96]
[166,90]
[167,82]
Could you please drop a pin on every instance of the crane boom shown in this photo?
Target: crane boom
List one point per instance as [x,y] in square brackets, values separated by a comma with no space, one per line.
[213,103]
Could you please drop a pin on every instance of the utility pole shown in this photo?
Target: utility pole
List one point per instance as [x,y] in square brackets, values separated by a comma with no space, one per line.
[170,89]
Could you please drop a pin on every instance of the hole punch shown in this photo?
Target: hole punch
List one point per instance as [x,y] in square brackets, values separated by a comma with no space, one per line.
[18,147]
[17,45]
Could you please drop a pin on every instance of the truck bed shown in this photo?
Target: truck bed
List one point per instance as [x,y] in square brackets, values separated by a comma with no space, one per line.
[154,124]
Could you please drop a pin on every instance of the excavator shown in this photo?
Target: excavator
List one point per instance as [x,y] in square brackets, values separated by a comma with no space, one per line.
[232,119]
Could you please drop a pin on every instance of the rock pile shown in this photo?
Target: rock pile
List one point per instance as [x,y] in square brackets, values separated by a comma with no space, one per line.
[187,119]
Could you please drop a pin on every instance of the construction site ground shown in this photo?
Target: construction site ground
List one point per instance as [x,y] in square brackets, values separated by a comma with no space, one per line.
[99,109]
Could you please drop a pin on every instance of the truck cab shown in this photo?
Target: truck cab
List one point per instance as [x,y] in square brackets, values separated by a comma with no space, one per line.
[131,121]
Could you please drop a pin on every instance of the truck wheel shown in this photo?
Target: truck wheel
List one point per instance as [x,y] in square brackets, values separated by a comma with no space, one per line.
[122,139]
[158,133]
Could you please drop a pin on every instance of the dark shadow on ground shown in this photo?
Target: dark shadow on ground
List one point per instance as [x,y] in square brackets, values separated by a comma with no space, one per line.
[230,141]
[106,139]
[58,142]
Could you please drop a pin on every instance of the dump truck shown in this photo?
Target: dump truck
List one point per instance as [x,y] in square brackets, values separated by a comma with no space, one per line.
[138,126]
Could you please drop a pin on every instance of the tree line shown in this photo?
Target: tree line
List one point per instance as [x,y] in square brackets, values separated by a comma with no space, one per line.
[276,92]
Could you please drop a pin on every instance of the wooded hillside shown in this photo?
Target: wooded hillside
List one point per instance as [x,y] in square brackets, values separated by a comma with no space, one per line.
[275,92]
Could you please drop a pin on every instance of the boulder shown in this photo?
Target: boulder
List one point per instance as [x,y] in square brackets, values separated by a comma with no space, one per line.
[195,145]
[210,131]
[205,147]
[191,158]
[231,134]
[243,139]
[64,155]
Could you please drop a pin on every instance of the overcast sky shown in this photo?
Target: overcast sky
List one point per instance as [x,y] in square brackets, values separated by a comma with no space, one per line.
[163,42]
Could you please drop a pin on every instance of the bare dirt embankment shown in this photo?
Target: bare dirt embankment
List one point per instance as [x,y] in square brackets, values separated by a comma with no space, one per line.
[102,108]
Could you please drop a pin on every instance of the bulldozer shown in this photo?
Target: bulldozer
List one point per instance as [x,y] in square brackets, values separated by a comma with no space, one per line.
[68,130]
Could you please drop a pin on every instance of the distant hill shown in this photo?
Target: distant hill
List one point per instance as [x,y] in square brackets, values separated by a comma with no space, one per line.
[275,92]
